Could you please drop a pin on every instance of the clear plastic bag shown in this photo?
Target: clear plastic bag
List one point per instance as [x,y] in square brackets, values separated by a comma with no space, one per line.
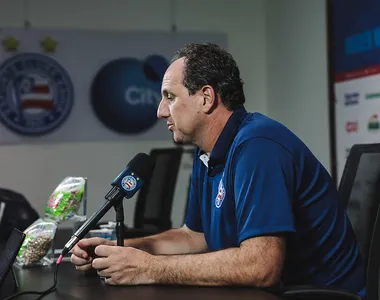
[63,205]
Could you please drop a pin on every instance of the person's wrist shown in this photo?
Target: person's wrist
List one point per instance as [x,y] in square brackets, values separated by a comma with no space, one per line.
[132,243]
[155,268]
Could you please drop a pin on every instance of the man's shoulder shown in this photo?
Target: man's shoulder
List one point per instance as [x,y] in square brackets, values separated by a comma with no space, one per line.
[257,126]
[260,131]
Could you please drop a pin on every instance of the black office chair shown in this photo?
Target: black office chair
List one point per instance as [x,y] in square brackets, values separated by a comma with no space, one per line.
[360,190]
[154,201]
[15,212]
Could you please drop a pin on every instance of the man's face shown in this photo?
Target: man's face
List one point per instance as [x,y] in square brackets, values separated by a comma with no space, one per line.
[181,110]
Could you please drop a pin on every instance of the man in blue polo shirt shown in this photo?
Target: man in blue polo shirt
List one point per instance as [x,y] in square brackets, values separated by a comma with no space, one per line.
[262,209]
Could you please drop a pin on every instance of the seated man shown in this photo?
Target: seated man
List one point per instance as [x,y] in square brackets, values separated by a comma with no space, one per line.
[262,208]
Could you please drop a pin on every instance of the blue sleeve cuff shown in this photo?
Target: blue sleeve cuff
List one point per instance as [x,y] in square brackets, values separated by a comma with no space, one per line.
[193,227]
[268,231]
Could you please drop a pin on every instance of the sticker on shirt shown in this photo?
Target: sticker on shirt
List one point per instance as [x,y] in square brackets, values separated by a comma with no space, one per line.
[221,194]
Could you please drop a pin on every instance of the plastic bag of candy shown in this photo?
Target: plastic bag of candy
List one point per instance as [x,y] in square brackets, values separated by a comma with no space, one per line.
[63,205]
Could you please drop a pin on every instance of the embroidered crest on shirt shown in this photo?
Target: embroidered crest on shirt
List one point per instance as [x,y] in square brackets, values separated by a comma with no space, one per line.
[221,194]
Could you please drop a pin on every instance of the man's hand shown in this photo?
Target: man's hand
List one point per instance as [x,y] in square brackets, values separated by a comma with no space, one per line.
[83,252]
[123,265]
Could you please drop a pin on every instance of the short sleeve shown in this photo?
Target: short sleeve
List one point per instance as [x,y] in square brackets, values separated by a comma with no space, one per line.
[264,188]
[193,216]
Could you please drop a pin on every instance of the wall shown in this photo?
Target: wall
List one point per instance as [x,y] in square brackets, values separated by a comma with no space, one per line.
[36,170]
[297,71]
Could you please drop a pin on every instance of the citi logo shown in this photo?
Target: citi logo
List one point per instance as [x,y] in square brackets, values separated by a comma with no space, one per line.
[351,99]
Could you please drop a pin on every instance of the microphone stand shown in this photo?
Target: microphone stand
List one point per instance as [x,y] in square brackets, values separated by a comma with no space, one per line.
[119,223]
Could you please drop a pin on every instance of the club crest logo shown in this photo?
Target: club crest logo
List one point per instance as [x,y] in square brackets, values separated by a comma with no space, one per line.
[36,94]
[221,194]
[129,183]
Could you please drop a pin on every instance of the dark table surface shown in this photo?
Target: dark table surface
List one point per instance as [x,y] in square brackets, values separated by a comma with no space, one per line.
[73,285]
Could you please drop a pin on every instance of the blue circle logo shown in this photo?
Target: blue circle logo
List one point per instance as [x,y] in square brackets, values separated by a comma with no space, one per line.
[129,183]
[126,92]
[221,194]
[36,94]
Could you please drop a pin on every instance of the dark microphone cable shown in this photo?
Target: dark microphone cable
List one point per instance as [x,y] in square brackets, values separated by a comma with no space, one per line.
[43,293]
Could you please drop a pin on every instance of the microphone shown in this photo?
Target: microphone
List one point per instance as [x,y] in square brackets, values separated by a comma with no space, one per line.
[125,185]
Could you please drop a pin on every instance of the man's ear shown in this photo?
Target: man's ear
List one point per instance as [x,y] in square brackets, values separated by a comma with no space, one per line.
[209,99]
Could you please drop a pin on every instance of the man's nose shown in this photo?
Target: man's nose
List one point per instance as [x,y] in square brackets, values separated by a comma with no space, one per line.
[163,110]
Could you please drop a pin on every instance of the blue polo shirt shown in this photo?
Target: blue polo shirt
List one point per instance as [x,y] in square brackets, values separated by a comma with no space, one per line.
[261,179]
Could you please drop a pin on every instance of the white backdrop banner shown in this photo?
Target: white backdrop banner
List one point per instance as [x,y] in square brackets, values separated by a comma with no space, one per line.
[356,56]
[82,85]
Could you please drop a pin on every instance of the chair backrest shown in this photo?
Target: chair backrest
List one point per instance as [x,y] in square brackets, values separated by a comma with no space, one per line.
[359,188]
[15,212]
[155,198]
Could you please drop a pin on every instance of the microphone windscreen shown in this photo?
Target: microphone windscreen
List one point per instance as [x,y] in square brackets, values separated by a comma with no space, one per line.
[143,165]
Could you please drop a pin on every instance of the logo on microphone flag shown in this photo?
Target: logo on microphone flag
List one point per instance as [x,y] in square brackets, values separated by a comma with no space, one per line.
[129,183]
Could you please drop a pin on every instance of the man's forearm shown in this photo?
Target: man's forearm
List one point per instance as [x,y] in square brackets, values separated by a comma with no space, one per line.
[174,241]
[226,267]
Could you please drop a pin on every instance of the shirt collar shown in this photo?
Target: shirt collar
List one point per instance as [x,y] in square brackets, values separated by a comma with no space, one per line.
[224,141]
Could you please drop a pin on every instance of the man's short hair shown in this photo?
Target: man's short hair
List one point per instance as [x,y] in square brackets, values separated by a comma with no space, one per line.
[209,64]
